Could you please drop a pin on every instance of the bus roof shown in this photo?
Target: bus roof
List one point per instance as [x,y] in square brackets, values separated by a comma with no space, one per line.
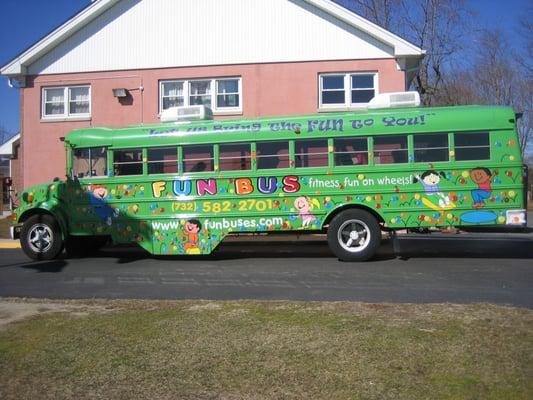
[374,122]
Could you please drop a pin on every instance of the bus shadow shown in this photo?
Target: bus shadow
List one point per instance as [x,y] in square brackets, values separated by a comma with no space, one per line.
[464,247]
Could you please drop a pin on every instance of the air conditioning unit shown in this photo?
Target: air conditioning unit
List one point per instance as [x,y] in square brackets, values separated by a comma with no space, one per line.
[186,113]
[395,100]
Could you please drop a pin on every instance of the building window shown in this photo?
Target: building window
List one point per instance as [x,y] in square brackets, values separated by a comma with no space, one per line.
[66,102]
[347,90]
[221,95]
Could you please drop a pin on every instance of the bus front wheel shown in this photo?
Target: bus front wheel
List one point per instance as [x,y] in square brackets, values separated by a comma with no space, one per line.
[354,235]
[40,237]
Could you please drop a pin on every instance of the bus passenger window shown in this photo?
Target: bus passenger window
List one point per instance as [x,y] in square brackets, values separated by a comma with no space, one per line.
[272,155]
[128,162]
[163,160]
[234,157]
[198,158]
[390,149]
[472,146]
[350,151]
[431,147]
[89,162]
[311,153]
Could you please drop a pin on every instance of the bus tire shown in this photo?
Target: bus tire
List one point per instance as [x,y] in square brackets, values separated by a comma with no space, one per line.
[40,237]
[354,235]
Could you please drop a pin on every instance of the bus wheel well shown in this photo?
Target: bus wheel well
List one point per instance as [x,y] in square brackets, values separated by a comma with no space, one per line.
[35,211]
[333,214]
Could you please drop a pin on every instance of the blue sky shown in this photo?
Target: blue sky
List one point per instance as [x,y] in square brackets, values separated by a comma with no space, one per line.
[23,22]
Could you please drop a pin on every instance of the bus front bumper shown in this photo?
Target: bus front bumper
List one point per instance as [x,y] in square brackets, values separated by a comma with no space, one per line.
[14,232]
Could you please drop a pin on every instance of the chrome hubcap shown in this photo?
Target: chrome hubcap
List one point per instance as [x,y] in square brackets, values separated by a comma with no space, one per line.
[40,238]
[354,235]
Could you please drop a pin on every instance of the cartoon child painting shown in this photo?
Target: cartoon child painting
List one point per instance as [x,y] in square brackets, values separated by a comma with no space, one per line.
[304,206]
[191,230]
[430,181]
[97,196]
[482,177]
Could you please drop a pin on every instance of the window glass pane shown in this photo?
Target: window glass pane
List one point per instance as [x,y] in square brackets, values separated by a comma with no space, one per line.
[163,160]
[227,100]
[54,95]
[272,155]
[81,163]
[362,81]
[172,89]
[430,148]
[228,86]
[200,93]
[333,82]
[390,149]
[127,162]
[311,153]
[228,93]
[472,146]
[54,109]
[79,100]
[198,158]
[234,157]
[362,96]
[333,97]
[172,94]
[351,151]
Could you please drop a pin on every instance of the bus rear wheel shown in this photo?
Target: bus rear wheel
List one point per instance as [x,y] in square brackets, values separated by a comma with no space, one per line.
[40,237]
[354,235]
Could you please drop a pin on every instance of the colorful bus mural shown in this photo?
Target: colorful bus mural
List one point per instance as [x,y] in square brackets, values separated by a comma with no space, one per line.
[182,187]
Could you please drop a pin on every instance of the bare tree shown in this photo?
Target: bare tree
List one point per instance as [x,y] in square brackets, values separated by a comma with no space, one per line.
[437,26]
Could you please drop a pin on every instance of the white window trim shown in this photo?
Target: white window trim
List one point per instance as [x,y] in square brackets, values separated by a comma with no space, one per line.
[67,115]
[347,105]
[213,93]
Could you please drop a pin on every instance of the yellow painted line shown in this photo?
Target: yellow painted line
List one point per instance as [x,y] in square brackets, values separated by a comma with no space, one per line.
[10,245]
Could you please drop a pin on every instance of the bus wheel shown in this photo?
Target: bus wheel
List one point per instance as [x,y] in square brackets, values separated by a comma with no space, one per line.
[40,237]
[354,235]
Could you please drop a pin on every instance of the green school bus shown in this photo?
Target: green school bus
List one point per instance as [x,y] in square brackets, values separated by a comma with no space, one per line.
[179,188]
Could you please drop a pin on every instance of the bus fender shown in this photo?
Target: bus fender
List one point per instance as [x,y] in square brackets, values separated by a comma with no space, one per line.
[344,207]
[51,209]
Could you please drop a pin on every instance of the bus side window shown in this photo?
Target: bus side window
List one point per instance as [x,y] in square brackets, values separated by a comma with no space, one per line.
[350,151]
[431,147]
[311,153]
[198,158]
[128,162]
[272,155]
[234,157]
[89,162]
[390,149]
[163,160]
[472,146]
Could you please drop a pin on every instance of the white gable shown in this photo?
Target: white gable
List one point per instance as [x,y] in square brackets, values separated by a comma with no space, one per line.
[168,33]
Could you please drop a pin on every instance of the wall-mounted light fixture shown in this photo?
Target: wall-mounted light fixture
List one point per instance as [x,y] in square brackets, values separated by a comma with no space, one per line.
[120,92]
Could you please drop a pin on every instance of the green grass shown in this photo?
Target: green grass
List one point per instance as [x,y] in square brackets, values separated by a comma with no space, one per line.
[271,350]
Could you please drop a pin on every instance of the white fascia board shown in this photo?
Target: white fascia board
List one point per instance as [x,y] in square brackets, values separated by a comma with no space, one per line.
[7,148]
[402,48]
[17,66]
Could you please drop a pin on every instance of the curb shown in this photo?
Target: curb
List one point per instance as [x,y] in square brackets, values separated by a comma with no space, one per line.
[11,244]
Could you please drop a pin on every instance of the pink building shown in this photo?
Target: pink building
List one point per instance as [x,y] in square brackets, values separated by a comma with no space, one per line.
[243,58]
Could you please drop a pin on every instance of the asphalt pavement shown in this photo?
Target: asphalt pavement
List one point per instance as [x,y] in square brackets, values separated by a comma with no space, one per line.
[464,268]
